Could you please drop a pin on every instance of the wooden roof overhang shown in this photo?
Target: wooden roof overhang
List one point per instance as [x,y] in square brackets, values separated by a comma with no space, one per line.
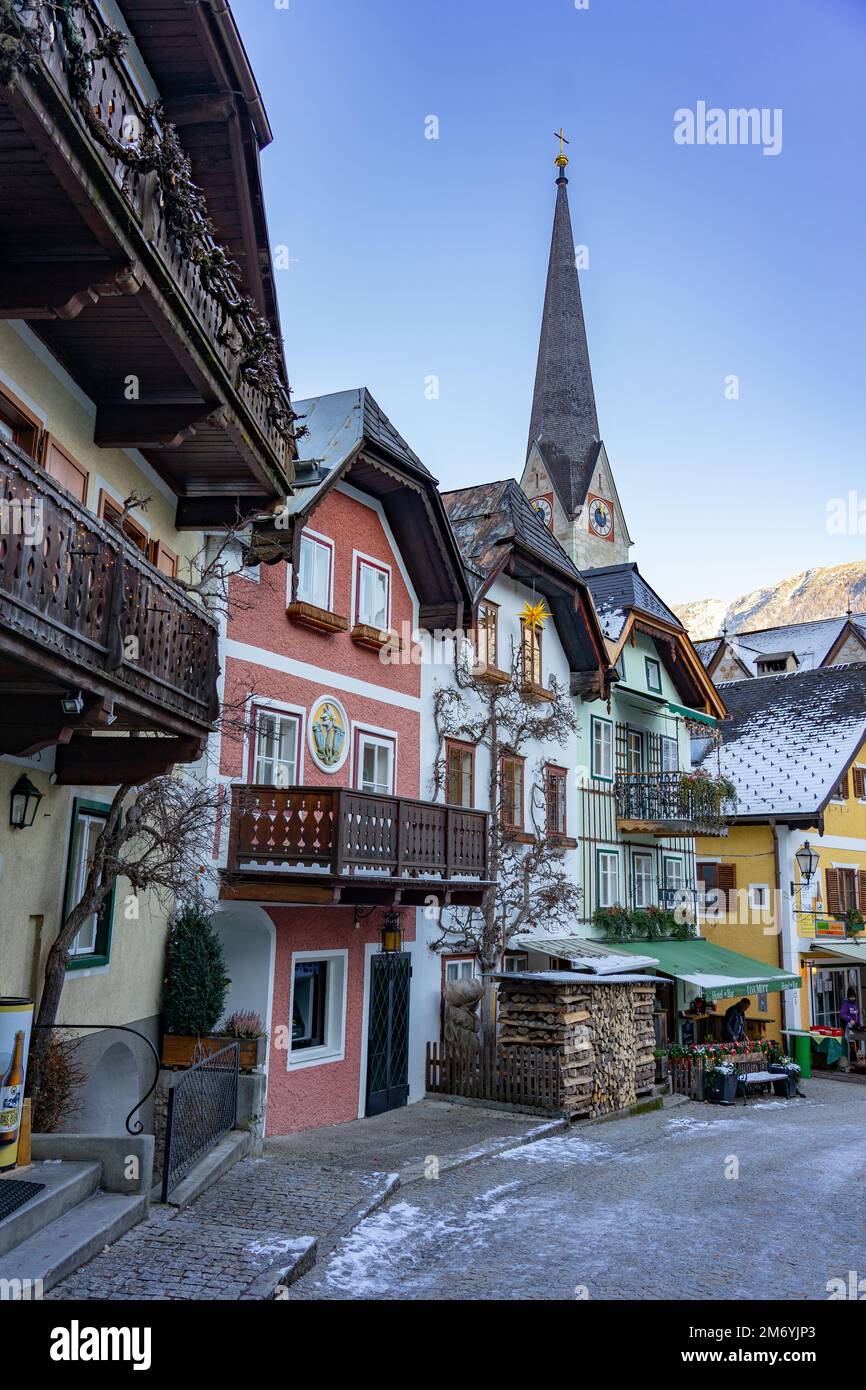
[83,613]
[86,258]
[679,658]
[197,59]
[571,608]
[414,511]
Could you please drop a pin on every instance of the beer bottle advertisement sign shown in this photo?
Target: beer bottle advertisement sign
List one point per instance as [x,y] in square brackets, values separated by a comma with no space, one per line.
[16,1018]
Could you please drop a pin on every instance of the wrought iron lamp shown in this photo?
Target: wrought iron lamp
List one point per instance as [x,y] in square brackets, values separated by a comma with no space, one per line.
[392,933]
[25,803]
[807,862]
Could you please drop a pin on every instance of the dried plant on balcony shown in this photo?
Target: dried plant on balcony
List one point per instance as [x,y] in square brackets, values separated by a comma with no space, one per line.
[532,888]
[24,28]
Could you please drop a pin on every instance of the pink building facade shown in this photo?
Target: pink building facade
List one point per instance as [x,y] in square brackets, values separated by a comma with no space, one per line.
[326,839]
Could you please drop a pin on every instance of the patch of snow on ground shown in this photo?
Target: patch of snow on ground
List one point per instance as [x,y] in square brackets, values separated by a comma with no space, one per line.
[561,1148]
[686,1124]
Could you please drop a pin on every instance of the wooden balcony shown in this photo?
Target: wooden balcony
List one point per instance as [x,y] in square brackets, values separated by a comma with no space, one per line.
[665,803]
[321,845]
[82,610]
[91,261]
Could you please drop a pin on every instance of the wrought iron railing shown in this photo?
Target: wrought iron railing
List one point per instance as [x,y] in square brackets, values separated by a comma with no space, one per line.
[669,798]
[202,1109]
[73,586]
[116,95]
[343,832]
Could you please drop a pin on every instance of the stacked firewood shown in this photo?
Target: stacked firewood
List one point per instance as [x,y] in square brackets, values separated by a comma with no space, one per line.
[603,1034]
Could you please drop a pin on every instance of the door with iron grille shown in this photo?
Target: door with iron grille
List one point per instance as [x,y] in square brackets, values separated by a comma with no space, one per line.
[388,1035]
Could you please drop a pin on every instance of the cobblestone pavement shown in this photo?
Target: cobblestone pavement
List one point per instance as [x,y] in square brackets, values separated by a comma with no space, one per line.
[306,1185]
[220,1246]
[646,1208]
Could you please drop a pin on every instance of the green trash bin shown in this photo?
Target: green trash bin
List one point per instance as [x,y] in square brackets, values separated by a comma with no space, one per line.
[803,1053]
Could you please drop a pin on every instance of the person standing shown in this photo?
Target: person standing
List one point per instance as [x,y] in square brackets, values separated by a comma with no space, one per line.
[849,1015]
[734,1022]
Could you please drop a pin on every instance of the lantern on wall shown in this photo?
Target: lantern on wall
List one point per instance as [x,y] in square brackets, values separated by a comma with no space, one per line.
[25,803]
[807,862]
[392,933]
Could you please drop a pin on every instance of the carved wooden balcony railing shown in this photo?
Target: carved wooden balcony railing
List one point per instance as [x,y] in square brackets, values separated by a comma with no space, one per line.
[355,835]
[669,802]
[116,96]
[78,600]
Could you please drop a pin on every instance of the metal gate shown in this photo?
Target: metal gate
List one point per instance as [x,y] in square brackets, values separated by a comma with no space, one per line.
[202,1109]
[388,1035]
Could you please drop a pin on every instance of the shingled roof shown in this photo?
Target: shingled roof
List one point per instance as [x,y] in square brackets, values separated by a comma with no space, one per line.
[564,423]
[790,738]
[487,516]
[811,643]
[498,530]
[616,590]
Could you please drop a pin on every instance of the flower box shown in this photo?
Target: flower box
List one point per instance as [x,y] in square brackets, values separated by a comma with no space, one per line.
[179,1050]
[720,1087]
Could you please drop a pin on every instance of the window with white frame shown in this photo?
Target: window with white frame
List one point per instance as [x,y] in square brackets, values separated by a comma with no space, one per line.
[670,754]
[513,962]
[318,1007]
[608,878]
[374,764]
[373,595]
[634,750]
[602,749]
[674,873]
[759,897]
[642,879]
[459,968]
[277,748]
[315,569]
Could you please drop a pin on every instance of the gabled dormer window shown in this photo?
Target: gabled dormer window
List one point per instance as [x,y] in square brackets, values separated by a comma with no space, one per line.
[373,595]
[530,648]
[653,675]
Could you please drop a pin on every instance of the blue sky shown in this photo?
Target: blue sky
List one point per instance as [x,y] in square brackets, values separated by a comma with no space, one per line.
[414,257]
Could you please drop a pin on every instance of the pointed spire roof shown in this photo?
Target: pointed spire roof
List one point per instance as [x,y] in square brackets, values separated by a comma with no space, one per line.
[564,423]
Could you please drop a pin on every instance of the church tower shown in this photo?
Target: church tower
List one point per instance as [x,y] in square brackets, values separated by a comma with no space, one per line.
[567,476]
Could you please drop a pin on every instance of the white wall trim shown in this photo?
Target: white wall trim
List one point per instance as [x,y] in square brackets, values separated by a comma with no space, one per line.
[274,661]
[339,1054]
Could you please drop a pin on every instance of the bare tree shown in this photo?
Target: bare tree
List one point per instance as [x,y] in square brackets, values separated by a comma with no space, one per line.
[532,887]
[157,838]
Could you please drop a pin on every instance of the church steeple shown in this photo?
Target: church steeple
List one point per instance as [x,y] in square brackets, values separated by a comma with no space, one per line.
[564,421]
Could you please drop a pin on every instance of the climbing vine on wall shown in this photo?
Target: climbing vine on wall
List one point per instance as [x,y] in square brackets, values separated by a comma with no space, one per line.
[157,150]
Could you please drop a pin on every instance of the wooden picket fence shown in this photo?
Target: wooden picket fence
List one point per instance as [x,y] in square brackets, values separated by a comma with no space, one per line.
[529,1076]
[687,1073]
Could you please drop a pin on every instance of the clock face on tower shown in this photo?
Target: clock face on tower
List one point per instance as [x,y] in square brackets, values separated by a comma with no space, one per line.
[543,506]
[601,517]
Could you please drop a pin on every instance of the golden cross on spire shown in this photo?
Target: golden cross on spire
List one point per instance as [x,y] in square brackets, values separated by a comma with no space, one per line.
[561,160]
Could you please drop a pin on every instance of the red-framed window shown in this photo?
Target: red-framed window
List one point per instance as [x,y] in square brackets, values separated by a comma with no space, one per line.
[316,571]
[375,762]
[459,773]
[276,747]
[372,594]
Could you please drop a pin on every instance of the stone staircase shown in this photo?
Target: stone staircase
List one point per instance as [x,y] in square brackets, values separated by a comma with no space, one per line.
[61,1227]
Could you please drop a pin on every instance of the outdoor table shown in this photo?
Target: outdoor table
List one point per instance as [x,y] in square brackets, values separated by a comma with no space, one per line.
[804,1039]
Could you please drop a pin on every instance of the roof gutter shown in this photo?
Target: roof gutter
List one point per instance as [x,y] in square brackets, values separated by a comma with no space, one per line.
[249,88]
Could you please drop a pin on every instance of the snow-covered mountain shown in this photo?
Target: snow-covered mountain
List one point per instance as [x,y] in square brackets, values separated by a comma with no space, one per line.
[816,593]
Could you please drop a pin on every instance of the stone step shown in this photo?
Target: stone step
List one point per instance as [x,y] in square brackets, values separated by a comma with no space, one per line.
[67,1243]
[65,1185]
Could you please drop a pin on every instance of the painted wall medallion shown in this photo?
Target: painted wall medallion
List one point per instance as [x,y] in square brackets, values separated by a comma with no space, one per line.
[328,734]
[601,518]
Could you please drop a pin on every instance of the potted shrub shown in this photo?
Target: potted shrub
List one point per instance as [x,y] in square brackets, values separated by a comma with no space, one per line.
[195,987]
[720,1084]
[855,922]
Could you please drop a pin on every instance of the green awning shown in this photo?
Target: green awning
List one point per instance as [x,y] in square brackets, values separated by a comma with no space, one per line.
[715,971]
[693,714]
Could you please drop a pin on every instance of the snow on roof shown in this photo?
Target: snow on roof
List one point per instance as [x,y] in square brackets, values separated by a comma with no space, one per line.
[790,737]
[810,643]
